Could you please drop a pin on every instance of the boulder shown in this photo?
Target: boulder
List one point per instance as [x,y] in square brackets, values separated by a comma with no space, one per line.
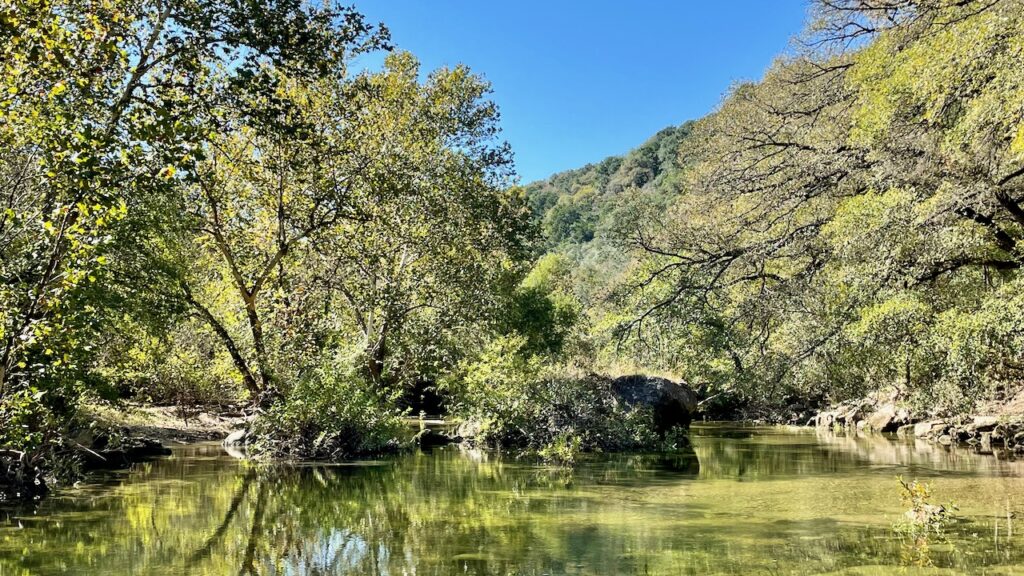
[923,429]
[673,404]
[883,419]
[904,417]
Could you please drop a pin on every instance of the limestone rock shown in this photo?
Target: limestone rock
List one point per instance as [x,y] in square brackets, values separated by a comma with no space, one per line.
[923,429]
[883,419]
[673,404]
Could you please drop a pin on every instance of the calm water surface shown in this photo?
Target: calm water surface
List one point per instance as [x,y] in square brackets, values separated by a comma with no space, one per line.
[754,500]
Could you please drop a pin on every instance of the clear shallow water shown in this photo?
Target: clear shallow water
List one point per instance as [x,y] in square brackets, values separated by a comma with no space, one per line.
[749,501]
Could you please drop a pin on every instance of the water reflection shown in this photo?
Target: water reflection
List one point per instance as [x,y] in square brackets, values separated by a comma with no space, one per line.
[748,500]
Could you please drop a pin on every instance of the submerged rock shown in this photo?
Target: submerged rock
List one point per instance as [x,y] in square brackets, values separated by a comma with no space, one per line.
[673,403]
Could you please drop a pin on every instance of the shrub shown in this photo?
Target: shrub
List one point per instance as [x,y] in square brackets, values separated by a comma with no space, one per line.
[522,404]
[34,451]
[333,414]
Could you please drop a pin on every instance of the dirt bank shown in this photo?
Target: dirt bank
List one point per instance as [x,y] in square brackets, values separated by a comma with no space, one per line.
[170,424]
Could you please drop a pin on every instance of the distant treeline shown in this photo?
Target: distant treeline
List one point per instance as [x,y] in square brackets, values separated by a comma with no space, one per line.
[847,223]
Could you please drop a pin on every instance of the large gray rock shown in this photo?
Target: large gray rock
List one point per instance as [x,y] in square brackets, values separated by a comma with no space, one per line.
[889,418]
[673,404]
[883,419]
[922,429]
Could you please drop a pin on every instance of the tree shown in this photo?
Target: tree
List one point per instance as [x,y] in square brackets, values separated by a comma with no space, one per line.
[376,217]
[868,182]
[441,230]
[104,113]
[261,195]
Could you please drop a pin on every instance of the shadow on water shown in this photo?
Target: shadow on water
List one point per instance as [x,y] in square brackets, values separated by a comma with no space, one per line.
[759,500]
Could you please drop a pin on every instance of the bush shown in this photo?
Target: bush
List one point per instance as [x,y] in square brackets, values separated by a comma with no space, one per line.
[333,414]
[34,451]
[187,366]
[523,405]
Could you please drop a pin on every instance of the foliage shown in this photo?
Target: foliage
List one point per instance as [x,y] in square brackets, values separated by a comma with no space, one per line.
[922,522]
[849,222]
[33,452]
[205,203]
[103,116]
[525,403]
[543,310]
[333,414]
[384,223]
[100,106]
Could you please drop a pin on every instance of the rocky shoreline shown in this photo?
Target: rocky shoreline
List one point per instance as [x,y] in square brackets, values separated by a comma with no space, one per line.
[985,433]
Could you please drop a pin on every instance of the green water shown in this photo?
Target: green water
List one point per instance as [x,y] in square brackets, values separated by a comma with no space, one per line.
[749,501]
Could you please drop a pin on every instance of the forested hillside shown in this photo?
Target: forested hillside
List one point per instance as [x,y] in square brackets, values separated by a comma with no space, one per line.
[578,211]
[850,222]
[574,206]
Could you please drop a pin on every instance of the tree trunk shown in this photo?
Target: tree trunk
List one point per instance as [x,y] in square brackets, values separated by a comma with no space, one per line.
[236,356]
[376,354]
[5,361]
[269,392]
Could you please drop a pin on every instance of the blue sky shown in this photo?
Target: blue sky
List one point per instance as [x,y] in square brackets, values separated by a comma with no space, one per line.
[579,81]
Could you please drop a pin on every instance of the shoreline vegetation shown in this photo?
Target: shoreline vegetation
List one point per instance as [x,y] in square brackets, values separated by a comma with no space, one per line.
[209,204]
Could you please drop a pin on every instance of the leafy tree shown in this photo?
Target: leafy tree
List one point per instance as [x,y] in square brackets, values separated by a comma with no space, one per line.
[841,213]
[440,231]
[100,105]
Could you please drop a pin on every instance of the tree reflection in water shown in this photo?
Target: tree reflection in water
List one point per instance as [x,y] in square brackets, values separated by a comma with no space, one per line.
[809,503]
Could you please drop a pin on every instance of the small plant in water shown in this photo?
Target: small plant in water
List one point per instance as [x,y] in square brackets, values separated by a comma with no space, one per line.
[921,523]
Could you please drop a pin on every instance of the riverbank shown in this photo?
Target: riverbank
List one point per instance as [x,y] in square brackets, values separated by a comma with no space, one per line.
[170,424]
[115,438]
[996,426]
